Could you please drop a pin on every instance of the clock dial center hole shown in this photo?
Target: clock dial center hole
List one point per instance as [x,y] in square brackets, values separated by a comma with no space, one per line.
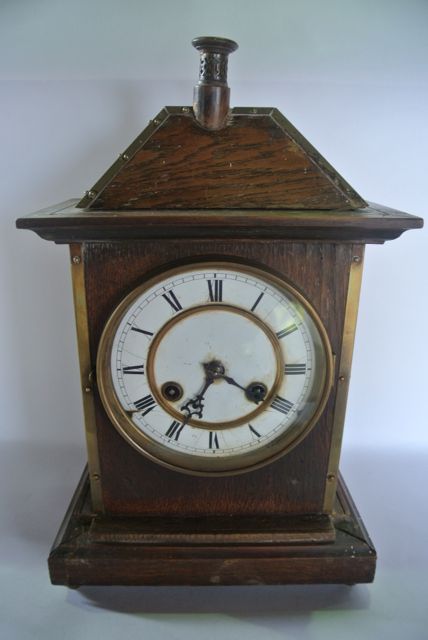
[215,369]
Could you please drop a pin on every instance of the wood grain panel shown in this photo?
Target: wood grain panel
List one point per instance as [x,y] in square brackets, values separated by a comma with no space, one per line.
[252,163]
[295,483]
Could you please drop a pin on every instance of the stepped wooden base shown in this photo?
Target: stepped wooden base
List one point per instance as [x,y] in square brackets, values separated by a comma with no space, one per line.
[90,550]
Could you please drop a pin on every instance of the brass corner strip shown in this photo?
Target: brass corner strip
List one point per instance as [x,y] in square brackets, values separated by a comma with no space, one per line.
[344,373]
[79,294]
[92,194]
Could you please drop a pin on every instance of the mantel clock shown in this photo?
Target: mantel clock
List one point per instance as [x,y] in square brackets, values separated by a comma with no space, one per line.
[216,272]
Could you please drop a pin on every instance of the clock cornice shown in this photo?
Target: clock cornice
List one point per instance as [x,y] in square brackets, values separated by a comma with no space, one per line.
[67,223]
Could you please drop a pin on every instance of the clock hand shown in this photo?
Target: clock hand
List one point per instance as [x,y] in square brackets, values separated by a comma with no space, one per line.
[231,381]
[194,406]
[214,370]
[255,391]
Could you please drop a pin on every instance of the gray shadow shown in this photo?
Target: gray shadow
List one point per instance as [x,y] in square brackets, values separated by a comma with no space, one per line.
[296,601]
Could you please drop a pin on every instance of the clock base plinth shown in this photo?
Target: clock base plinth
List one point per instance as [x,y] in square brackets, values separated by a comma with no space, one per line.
[93,550]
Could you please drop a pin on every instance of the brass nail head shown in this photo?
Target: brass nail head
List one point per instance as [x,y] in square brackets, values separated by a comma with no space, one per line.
[96,476]
[88,389]
[356,259]
[76,259]
[331,477]
[342,378]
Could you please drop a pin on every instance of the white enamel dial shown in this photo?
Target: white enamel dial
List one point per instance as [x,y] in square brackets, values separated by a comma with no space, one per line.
[214,368]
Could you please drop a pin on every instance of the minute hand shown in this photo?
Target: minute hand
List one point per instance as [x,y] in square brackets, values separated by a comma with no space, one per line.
[194,406]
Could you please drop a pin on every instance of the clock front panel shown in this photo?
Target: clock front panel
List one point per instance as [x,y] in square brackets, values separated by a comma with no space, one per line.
[214,367]
[165,339]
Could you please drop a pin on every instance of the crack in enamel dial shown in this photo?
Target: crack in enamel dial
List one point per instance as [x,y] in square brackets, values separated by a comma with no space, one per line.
[214,368]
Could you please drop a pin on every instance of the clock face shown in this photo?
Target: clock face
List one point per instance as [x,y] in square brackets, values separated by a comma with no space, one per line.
[214,368]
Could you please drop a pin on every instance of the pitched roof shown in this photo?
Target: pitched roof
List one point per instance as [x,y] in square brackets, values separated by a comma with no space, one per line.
[258,161]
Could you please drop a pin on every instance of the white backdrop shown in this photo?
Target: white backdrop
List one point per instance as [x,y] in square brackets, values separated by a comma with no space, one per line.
[80,79]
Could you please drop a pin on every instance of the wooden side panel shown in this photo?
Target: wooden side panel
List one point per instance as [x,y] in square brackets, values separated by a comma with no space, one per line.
[295,483]
[251,163]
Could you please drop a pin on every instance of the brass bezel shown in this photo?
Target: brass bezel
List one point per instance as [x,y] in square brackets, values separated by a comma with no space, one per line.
[199,465]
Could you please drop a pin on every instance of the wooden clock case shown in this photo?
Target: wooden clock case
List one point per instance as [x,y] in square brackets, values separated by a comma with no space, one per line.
[252,190]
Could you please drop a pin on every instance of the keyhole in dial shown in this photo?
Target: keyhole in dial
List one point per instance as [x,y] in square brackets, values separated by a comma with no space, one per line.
[256,391]
[172,391]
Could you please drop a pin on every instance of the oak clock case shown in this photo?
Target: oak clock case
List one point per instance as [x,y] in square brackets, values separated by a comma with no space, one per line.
[216,271]
[214,368]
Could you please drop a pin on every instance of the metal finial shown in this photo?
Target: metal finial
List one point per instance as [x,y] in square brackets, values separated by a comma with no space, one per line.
[211,95]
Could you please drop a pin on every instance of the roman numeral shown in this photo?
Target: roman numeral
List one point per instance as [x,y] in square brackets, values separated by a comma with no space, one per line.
[213,441]
[256,433]
[171,299]
[138,370]
[146,333]
[287,331]
[215,289]
[282,405]
[174,430]
[295,369]
[257,301]
[146,404]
